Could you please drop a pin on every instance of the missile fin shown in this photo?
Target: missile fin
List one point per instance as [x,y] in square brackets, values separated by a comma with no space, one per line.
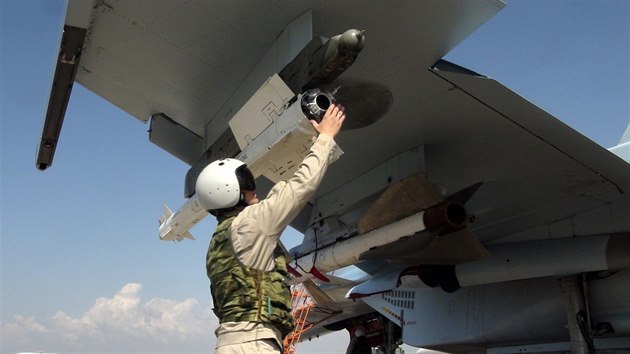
[167,213]
[317,274]
[189,236]
[320,297]
[399,200]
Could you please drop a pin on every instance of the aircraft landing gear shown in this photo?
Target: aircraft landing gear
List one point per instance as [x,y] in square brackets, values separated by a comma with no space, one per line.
[392,338]
[374,334]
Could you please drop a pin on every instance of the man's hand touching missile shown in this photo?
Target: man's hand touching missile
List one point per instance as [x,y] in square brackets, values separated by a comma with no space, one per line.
[332,121]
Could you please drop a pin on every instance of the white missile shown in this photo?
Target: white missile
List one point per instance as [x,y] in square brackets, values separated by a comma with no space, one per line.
[175,226]
[348,251]
[271,140]
[512,262]
[272,128]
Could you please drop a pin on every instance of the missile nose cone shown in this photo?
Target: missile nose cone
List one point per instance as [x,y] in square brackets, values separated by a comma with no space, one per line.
[353,39]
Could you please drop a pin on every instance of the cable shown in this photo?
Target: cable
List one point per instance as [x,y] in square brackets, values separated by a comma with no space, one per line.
[582,324]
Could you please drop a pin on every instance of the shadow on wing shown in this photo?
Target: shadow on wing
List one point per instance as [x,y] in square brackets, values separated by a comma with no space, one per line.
[365,101]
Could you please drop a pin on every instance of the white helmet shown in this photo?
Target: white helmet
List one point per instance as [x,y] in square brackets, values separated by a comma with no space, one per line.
[220,183]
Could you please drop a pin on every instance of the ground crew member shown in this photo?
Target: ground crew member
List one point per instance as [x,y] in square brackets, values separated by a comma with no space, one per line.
[244,263]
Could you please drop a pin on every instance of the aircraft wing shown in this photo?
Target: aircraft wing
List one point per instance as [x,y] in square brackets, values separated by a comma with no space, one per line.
[184,60]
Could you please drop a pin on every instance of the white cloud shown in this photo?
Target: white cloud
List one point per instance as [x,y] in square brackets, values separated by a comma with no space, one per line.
[123,322]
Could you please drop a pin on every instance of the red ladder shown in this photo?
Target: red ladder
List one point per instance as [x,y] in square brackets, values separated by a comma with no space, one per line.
[301,305]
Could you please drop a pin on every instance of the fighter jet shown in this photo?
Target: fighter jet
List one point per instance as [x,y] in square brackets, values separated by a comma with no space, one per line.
[464,218]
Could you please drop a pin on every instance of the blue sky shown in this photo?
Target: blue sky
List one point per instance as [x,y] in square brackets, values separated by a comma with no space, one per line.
[79,241]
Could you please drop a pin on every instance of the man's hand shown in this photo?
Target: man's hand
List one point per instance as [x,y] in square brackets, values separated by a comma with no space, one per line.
[332,121]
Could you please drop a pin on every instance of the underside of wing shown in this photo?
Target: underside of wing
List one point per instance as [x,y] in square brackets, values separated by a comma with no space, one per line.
[192,60]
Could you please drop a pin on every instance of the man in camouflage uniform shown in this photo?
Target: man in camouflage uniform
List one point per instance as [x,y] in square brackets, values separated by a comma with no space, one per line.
[245,267]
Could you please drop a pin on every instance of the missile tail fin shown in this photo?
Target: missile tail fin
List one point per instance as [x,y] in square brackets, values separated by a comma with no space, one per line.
[399,200]
[319,295]
[319,275]
[167,214]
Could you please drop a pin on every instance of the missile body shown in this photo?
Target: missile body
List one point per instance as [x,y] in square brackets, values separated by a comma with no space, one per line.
[175,226]
[508,262]
[348,251]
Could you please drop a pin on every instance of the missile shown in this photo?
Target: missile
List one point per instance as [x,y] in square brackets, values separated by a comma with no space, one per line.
[508,262]
[271,130]
[175,226]
[342,253]
[322,62]
[317,66]
[270,150]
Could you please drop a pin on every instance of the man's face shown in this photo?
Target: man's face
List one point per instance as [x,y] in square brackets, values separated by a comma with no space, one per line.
[250,197]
